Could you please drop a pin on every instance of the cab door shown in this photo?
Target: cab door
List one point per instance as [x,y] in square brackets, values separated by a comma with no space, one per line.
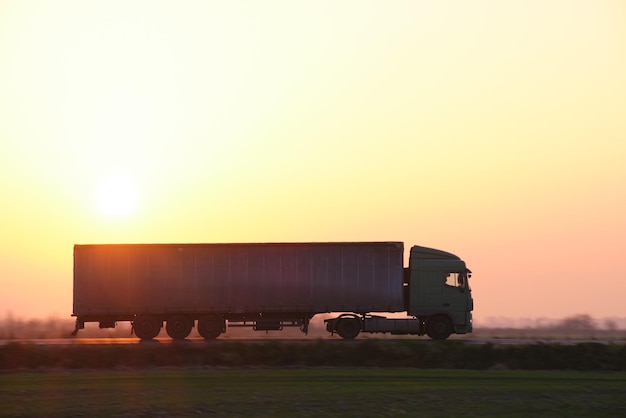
[437,286]
[455,291]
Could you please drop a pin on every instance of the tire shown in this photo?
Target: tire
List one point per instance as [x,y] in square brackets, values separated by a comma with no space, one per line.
[348,328]
[210,326]
[147,327]
[179,327]
[439,327]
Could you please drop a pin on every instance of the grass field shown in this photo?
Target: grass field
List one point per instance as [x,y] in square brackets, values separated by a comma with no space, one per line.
[327,392]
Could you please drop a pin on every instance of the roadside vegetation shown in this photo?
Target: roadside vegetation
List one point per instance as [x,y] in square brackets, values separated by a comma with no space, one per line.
[588,356]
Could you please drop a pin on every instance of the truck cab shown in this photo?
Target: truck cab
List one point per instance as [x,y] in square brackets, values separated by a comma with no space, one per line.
[439,292]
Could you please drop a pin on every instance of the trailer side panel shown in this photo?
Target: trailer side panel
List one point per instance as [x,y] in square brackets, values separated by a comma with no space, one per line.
[129,279]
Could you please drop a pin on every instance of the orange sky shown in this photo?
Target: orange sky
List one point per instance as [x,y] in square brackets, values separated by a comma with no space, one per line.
[494,130]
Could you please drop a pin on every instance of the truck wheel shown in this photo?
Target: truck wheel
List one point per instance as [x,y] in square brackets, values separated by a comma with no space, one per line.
[439,327]
[348,328]
[178,327]
[210,326]
[147,327]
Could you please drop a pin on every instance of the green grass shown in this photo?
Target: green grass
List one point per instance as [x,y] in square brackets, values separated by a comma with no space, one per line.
[328,392]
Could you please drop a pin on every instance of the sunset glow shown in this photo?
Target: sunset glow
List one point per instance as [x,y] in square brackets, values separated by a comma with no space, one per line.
[493,130]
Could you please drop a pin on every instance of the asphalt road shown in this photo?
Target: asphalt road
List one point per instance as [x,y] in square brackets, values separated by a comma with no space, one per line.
[197,340]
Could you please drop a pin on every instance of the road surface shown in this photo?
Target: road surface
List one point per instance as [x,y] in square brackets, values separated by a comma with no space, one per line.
[198,340]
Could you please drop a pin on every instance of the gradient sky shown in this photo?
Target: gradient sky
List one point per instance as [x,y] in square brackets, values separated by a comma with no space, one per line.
[492,129]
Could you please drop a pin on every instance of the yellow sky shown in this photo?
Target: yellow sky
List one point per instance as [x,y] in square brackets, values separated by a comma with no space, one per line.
[494,130]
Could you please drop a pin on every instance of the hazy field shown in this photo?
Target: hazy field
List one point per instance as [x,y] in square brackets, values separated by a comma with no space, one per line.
[589,356]
[334,392]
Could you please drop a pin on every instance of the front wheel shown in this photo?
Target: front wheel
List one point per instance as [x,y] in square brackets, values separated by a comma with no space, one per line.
[439,327]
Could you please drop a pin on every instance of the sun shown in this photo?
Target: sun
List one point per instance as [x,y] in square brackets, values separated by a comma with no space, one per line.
[117,196]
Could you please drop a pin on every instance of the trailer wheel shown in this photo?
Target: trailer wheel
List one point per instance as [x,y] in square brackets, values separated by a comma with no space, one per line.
[210,326]
[439,327]
[348,328]
[147,327]
[179,327]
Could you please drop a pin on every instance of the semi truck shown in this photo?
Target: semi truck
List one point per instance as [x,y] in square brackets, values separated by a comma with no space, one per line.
[361,287]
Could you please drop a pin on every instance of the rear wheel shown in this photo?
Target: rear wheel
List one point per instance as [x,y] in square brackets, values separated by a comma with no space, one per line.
[210,326]
[179,327]
[147,327]
[348,328]
[439,327]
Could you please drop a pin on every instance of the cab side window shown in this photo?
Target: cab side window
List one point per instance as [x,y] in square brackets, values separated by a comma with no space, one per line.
[454,280]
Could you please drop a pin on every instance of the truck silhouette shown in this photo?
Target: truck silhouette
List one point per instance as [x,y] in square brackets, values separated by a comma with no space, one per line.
[268,286]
